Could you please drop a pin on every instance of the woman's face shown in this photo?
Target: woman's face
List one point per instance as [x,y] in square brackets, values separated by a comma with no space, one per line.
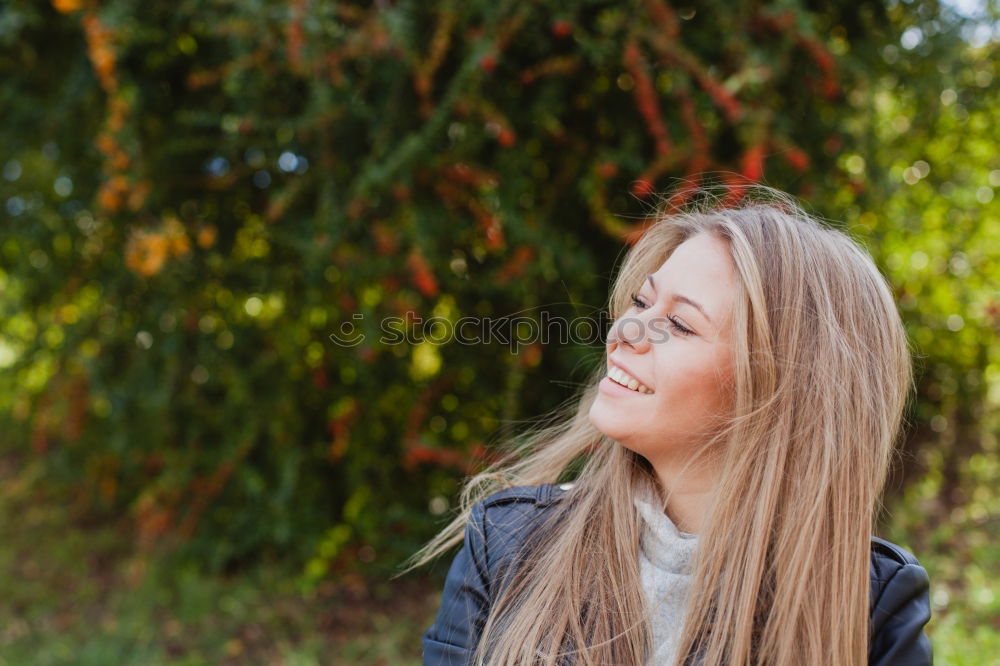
[682,373]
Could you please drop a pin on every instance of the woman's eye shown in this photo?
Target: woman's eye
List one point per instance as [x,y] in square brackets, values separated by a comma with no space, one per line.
[680,329]
[677,326]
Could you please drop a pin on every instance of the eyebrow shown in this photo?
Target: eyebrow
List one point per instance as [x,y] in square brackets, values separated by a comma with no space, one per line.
[683,299]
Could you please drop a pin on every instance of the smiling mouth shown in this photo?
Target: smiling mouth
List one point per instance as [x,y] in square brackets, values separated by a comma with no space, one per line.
[619,376]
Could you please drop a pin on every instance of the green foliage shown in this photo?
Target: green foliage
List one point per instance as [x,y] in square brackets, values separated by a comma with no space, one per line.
[199,195]
[961,554]
[61,580]
[82,595]
[934,225]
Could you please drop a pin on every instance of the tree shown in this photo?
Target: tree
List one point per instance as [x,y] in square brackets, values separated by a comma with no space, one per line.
[200,195]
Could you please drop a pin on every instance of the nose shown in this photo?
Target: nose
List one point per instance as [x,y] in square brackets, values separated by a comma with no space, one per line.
[631,330]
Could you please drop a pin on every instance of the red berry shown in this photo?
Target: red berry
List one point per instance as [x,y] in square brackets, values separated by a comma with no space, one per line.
[562,28]
[642,188]
[506,138]
[798,159]
[607,169]
[753,162]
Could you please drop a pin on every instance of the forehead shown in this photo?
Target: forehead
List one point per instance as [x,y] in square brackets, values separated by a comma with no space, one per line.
[700,259]
[701,269]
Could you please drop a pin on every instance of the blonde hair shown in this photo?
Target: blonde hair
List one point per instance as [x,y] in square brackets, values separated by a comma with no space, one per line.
[821,377]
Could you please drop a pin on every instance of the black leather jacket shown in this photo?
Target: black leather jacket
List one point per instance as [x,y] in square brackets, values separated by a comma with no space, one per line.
[899,585]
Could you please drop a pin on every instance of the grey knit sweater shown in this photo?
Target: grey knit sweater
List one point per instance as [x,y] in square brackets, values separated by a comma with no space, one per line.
[665,556]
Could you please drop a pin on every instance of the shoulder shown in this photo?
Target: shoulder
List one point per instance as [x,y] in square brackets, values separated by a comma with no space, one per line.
[899,605]
[889,556]
[540,495]
[519,504]
[888,561]
[501,522]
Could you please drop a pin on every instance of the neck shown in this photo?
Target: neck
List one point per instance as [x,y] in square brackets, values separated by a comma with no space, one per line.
[689,493]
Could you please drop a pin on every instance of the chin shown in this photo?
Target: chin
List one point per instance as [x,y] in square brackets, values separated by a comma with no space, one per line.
[605,420]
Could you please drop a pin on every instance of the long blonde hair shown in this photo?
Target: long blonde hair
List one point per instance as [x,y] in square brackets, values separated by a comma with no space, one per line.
[821,376]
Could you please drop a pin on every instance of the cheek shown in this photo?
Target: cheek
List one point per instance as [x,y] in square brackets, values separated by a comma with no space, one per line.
[690,389]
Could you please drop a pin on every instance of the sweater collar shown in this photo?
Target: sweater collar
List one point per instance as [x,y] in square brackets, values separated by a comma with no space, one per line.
[663,544]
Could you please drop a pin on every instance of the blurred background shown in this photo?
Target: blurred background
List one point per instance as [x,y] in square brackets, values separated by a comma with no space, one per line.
[211,452]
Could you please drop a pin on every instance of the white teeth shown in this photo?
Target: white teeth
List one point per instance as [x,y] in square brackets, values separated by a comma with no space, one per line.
[620,377]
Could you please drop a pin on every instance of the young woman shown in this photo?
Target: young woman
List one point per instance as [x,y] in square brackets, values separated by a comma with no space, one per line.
[726,461]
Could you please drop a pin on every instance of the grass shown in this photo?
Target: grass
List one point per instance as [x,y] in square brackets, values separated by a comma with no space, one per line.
[83,594]
[80,593]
